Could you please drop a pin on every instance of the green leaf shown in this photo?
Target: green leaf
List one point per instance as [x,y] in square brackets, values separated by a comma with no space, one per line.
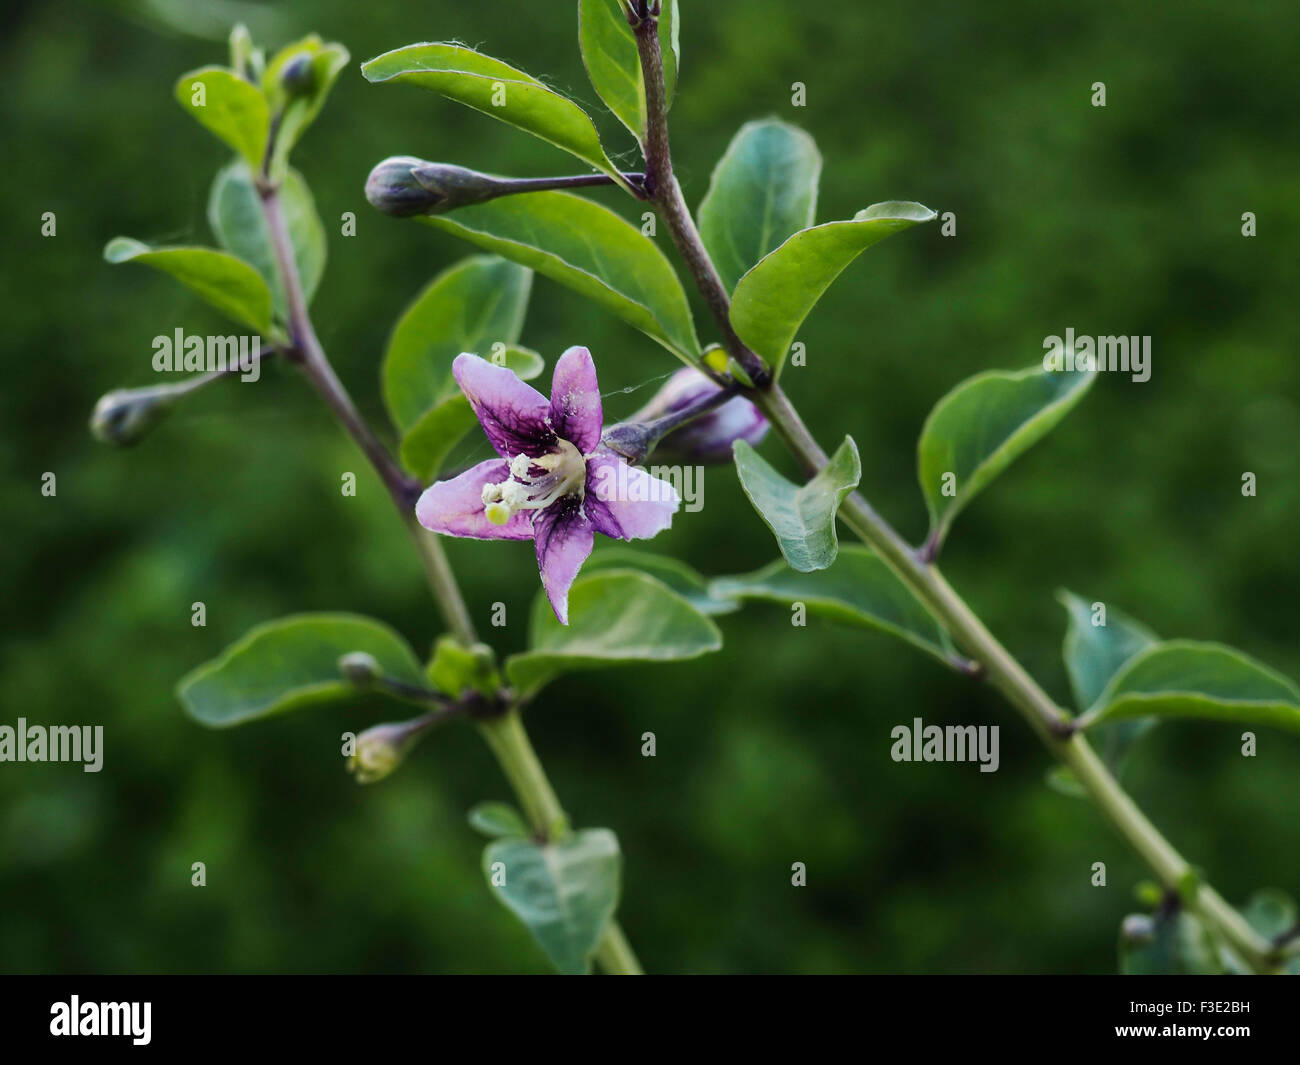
[564,892]
[615,618]
[497,819]
[764,189]
[677,575]
[289,663]
[301,109]
[499,90]
[801,516]
[227,283]
[456,668]
[1168,944]
[1182,678]
[859,589]
[471,306]
[979,428]
[1093,654]
[772,300]
[227,105]
[613,62]
[590,249]
[428,443]
[235,214]
[1271,913]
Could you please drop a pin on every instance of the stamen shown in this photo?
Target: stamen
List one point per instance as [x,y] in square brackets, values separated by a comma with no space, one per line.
[563,472]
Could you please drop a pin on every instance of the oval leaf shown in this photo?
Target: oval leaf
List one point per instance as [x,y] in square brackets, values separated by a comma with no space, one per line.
[289,663]
[227,105]
[227,283]
[613,62]
[763,190]
[235,214]
[979,428]
[471,306]
[499,90]
[801,516]
[615,618]
[564,892]
[859,589]
[590,249]
[1182,678]
[772,300]
[677,575]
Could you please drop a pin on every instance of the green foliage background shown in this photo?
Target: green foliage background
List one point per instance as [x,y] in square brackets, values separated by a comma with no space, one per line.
[1117,220]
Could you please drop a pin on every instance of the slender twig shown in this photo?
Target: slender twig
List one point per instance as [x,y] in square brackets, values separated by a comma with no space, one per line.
[915,569]
[505,732]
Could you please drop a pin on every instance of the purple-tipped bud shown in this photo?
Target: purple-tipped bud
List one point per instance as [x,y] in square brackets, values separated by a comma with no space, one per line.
[404,186]
[706,439]
[382,748]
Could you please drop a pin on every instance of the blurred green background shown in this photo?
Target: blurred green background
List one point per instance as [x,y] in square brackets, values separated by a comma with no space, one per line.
[1118,220]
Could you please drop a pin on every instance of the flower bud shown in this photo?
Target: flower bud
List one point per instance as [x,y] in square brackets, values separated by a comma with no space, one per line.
[125,416]
[360,668]
[381,749]
[705,439]
[1137,929]
[393,189]
[298,75]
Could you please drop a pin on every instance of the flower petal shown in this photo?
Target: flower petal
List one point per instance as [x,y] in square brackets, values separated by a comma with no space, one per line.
[564,538]
[575,400]
[455,507]
[515,416]
[625,502]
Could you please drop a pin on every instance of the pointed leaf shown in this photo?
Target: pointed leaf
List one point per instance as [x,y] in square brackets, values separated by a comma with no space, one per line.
[615,618]
[764,189]
[227,283]
[289,663]
[590,249]
[609,51]
[235,214]
[471,306]
[677,575]
[499,90]
[564,892]
[1182,678]
[801,516]
[772,300]
[859,589]
[497,819]
[227,105]
[979,428]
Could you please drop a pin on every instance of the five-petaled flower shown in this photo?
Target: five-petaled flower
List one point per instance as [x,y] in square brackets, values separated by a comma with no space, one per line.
[554,483]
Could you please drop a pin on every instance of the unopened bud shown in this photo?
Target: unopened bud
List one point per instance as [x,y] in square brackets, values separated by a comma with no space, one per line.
[1137,929]
[381,749]
[360,668]
[127,415]
[298,75]
[403,186]
[704,439]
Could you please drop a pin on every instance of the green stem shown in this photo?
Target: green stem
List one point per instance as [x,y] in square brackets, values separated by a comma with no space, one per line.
[916,570]
[514,751]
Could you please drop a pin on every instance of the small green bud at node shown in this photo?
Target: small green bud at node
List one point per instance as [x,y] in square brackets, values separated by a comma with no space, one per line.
[127,415]
[360,668]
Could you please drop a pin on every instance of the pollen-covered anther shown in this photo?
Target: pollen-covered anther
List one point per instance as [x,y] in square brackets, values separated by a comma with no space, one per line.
[563,471]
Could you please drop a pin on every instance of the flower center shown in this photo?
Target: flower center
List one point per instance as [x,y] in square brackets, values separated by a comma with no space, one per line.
[536,483]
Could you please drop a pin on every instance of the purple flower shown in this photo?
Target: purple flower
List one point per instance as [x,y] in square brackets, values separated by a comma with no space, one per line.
[554,483]
[708,438]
